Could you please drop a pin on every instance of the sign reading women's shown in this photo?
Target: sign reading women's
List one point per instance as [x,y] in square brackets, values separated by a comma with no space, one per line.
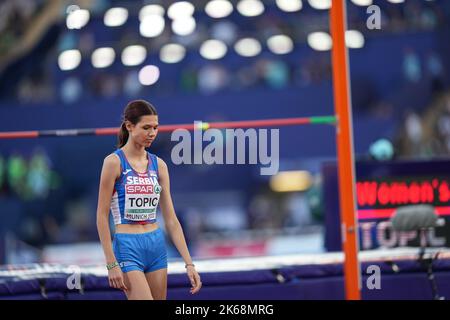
[381,188]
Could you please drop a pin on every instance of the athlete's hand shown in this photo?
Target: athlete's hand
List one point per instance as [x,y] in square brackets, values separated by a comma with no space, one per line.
[115,278]
[194,277]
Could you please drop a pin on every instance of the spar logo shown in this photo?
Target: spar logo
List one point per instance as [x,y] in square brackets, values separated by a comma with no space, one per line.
[157,189]
[394,193]
[139,189]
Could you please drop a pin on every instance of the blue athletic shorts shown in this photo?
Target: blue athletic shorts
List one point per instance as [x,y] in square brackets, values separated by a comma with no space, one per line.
[145,252]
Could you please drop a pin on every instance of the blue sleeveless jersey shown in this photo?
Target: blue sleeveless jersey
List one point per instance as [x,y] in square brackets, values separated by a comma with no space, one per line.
[136,195]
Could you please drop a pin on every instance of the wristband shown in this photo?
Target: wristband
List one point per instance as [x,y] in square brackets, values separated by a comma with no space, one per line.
[110,266]
[189,264]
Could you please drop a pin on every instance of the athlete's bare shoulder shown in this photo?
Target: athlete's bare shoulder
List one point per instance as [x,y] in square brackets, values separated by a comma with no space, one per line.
[112,158]
[161,164]
[161,161]
[111,164]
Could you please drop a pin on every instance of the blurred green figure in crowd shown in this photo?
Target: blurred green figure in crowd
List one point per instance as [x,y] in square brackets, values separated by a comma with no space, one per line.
[16,172]
[39,175]
[2,173]
[32,180]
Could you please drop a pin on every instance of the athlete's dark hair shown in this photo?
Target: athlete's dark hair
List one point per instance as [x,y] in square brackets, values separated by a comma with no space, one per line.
[133,112]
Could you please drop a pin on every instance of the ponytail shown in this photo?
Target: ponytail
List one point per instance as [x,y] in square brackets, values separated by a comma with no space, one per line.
[122,137]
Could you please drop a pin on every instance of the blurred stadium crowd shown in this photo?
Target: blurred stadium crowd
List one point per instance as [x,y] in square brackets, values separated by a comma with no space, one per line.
[43,82]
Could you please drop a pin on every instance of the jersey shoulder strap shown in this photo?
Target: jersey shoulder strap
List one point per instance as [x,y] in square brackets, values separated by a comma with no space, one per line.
[153,163]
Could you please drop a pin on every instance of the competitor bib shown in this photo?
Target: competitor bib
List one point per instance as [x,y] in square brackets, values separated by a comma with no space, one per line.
[141,201]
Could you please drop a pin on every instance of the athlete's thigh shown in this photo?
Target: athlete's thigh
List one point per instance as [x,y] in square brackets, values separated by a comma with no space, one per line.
[138,288]
[157,281]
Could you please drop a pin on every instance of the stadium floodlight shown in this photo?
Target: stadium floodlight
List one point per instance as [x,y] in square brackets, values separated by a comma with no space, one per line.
[115,17]
[134,55]
[291,181]
[320,4]
[213,49]
[320,41]
[77,19]
[69,59]
[180,9]
[280,44]
[354,39]
[362,3]
[219,8]
[151,9]
[103,57]
[250,8]
[172,53]
[290,5]
[151,26]
[247,47]
[149,75]
[184,26]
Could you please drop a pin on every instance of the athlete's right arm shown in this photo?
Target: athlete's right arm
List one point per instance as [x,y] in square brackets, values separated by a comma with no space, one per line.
[110,171]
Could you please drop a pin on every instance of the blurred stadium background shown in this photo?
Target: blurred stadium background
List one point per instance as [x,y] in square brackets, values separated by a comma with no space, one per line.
[75,64]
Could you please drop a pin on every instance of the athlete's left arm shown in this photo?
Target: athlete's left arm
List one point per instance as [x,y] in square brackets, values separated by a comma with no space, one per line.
[173,226]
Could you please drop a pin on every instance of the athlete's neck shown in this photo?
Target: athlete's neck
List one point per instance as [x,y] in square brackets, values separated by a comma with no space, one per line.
[135,151]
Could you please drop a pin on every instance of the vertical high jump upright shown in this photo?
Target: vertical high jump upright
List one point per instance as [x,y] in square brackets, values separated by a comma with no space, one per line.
[345,156]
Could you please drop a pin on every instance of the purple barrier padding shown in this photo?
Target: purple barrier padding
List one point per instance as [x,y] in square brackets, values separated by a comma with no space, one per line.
[310,271]
[411,286]
[330,288]
[225,278]
[408,265]
[408,286]
[18,287]
[57,283]
[91,282]
[97,295]
[35,296]
[386,267]
[294,282]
